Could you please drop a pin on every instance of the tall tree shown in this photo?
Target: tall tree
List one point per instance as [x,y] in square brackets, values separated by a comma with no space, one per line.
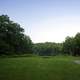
[77,44]
[12,38]
[68,45]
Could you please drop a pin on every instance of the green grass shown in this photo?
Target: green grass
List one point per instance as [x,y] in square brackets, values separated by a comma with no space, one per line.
[39,68]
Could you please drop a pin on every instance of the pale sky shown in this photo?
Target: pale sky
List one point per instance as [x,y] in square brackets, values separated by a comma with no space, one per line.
[44,20]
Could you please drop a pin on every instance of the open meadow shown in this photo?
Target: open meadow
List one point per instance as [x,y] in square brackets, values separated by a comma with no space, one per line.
[39,68]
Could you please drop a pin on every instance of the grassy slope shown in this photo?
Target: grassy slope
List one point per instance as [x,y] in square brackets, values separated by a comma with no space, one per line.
[38,68]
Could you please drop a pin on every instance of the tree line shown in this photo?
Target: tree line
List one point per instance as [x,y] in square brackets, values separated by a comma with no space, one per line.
[14,41]
[47,48]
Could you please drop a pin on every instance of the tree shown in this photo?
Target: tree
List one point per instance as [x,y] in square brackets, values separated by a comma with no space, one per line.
[68,45]
[12,38]
[71,45]
[77,44]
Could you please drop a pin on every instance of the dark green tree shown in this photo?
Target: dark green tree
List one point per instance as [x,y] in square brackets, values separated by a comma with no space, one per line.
[71,45]
[68,45]
[77,44]
[12,38]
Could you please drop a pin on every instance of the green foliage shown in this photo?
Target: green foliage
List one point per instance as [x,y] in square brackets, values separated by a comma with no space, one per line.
[71,45]
[77,44]
[47,48]
[12,38]
[68,45]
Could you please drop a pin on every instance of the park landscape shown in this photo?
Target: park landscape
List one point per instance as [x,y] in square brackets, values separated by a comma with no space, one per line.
[39,40]
[21,59]
[40,68]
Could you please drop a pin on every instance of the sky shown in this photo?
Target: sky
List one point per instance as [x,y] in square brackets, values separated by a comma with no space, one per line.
[44,20]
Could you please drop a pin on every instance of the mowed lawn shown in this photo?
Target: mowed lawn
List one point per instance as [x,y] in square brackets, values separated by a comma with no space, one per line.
[39,68]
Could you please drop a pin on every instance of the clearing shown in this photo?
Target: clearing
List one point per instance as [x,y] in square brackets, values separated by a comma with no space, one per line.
[39,68]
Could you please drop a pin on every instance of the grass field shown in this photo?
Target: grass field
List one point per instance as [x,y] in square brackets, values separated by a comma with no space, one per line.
[39,68]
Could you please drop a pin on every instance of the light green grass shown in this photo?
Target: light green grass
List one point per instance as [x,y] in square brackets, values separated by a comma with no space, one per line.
[39,68]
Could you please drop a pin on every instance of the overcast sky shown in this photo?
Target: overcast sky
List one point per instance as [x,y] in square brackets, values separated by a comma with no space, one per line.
[44,20]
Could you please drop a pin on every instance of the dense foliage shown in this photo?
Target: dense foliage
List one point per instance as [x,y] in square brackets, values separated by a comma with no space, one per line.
[47,48]
[12,38]
[71,45]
